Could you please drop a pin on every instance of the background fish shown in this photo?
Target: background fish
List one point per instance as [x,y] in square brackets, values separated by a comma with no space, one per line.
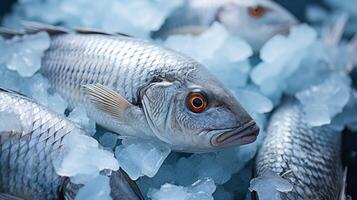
[254,20]
[136,88]
[27,148]
[312,155]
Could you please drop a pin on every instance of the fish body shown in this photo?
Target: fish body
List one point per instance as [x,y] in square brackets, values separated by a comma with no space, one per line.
[256,21]
[137,88]
[309,157]
[27,151]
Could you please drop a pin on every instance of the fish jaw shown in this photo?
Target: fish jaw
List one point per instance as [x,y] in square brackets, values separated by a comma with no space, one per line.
[245,134]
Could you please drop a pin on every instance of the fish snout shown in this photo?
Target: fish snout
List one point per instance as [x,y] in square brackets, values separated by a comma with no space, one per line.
[245,134]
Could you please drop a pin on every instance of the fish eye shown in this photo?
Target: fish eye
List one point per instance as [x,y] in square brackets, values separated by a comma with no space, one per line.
[256,11]
[197,102]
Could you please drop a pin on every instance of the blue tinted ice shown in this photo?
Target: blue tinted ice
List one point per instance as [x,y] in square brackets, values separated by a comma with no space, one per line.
[141,157]
[269,186]
[199,190]
[82,158]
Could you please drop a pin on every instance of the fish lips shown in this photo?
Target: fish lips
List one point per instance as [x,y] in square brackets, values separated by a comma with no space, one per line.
[245,134]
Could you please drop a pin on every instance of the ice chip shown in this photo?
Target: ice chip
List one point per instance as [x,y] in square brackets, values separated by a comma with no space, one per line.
[253,100]
[95,189]
[199,190]
[79,116]
[57,103]
[223,54]
[82,158]
[27,53]
[109,140]
[322,102]
[348,115]
[269,185]
[138,157]
[281,57]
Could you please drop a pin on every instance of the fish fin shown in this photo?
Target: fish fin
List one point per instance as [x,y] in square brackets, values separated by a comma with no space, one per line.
[4,196]
[69,190]
[8,33]
[107,100]
[15,93]
[128,187]
[32,27]
[98,31]
[36,27]
[332,34]
[343,186]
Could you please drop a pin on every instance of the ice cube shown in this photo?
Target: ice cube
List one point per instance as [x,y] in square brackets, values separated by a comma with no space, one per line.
[79,116]
[57,103]
[281,57]
[110,15]
[82,158]
[199,190]
[223,54]
[322,102]
[347,117]
[138,157]
[270,185]
[109,140]
[95,189]
[26,53]
[253,100]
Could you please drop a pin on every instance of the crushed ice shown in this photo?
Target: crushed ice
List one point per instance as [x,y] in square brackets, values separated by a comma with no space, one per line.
[300,64]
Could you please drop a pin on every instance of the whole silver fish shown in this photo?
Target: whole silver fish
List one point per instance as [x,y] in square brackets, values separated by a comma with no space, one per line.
[27,146]
[312,155]
[137,88]
[254,20]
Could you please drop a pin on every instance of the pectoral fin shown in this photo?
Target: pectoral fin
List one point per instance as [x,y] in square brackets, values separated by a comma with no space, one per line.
[107,100]
[9,197]
[343,186]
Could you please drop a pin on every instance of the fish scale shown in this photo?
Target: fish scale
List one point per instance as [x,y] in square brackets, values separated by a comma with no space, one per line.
[313,154]
[27,154]
[118,62]
[30,151]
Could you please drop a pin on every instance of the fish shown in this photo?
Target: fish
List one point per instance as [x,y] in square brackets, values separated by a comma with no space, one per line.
[308,157]
[136,88]
[256,21]
[31,137]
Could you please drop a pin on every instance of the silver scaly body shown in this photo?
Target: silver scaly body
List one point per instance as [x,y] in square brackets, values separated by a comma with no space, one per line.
[122,63]
[312,155]
[137,88]
[27,152]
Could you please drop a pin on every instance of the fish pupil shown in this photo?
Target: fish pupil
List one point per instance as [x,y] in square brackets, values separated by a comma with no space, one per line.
[197,102]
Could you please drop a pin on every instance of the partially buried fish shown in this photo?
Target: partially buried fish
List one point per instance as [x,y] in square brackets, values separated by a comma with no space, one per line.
[29,136]
[137,88]
[256,21]
[310,158]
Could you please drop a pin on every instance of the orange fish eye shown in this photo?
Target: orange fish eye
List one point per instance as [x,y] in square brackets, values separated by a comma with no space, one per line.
[256,11]
[196,102]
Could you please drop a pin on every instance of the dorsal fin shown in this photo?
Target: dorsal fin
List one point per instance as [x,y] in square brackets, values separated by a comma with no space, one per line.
[14,93]
[35,27]
[9,33]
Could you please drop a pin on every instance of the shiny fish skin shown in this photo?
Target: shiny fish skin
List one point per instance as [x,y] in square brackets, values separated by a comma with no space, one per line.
[26,157]
[313,155]
[120,62]
[26,154]
[137,88]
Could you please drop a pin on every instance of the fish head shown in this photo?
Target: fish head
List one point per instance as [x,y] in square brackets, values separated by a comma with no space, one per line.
[255,20]
[197,114]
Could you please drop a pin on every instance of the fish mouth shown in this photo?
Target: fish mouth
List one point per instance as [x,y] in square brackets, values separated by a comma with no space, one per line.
[245,134]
